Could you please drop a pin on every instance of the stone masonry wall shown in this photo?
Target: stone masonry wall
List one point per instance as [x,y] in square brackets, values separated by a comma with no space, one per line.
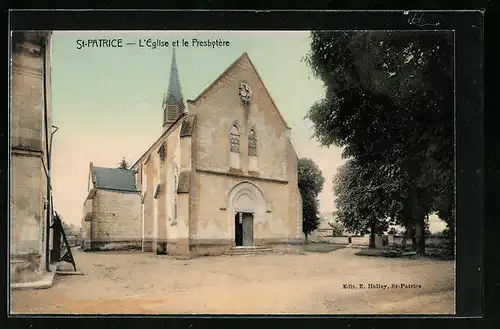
[28,182]
[295,200]
[27,213]
[216,111]
[117,219]
[221,107]
[216,223]
[164,229]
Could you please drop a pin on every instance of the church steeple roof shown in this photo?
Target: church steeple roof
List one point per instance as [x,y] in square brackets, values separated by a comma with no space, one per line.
[174,85]
[173,101]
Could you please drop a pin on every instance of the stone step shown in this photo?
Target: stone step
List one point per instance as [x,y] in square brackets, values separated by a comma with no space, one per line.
[249,247]
[250,251]
[247,254]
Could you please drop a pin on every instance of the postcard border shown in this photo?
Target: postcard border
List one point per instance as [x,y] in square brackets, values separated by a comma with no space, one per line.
[468,27]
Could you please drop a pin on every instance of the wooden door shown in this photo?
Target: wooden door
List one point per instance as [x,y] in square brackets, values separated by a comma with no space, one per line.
[247,229]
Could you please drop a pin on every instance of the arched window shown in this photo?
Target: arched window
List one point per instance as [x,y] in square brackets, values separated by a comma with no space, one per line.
[176,186]
[252,143]
[161,152]
[234,138]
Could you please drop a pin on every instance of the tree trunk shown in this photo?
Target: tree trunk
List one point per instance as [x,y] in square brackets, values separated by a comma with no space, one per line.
[421,235]
[372,234]
[451,243]
[413,235]
[307,240]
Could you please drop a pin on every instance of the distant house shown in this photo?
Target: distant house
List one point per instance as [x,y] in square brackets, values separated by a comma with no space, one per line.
[324,230]
[112,210]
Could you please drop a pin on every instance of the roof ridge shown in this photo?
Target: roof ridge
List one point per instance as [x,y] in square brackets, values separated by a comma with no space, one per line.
[98,167]
[217,79]
[214,82]
[165,134]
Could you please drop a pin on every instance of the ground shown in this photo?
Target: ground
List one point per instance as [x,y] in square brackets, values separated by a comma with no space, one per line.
[305,283]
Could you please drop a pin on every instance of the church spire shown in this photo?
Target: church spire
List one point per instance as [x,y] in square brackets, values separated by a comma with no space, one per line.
[173,102]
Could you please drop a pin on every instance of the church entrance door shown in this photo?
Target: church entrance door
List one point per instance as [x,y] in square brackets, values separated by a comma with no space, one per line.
[243,229]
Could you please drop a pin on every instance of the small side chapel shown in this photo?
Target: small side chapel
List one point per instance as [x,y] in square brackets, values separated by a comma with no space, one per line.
[223,173]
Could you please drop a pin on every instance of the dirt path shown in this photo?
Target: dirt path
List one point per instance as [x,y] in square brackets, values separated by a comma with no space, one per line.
[309,284]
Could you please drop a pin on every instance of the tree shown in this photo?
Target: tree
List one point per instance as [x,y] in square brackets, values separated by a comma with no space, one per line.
[392,231]
[389,103]
[337,229]
[362,206]
[123,164]
[330,218]
[310,183]
[72,232]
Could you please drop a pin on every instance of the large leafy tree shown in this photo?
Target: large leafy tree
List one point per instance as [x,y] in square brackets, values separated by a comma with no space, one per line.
[310,183]
[362,204]
[389,103]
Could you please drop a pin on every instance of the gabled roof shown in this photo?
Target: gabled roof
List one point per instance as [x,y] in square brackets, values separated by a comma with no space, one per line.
[114,179]
[244,55]
[160,140]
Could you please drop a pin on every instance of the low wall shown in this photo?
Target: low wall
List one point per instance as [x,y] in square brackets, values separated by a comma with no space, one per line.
[323,237]
[344,240]
[360,240]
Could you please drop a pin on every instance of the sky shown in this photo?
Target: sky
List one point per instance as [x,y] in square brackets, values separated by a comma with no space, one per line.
[106,102]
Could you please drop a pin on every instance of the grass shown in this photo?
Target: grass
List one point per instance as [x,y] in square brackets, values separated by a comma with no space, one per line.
[408,252]
[321,247]
[385,253]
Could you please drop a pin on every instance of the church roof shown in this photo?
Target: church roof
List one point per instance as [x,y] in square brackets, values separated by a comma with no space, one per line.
[214,83]
[174,85]
[160,140]
[187,126]
[114,179]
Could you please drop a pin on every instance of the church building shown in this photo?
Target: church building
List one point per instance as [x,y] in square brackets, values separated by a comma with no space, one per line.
[223,173]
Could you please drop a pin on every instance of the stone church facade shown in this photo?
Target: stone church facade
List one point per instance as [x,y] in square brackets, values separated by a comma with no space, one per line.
[224,171]
[222,174]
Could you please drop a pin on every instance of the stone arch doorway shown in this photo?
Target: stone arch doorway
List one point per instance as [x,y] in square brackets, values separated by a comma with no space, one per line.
[246,205]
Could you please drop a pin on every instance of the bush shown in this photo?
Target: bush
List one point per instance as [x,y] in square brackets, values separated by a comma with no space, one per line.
[337,229]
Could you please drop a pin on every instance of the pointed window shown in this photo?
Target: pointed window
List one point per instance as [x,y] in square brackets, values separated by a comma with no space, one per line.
[234,138]
[252,143]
